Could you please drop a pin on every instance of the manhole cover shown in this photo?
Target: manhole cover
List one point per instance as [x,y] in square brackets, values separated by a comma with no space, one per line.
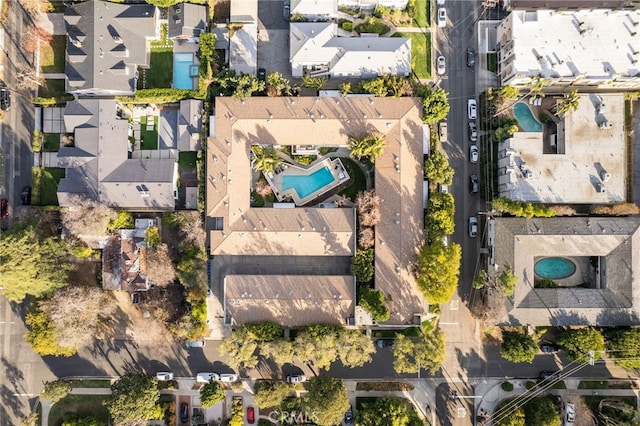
[462,412]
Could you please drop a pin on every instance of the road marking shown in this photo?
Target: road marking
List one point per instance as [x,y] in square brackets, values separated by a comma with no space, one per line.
[449,323]
[23,394]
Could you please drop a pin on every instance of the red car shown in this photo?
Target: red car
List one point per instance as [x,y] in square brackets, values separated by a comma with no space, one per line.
[4,208]
[251,415]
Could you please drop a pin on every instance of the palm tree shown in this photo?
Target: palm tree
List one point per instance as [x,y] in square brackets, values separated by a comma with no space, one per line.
[266,160]
[369,146]
[570,102]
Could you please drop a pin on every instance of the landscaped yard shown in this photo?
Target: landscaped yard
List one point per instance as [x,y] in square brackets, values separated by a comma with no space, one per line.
[149,137]
[51,142]
[52,88]
[422,13]
[45,185]
[52,55]
[359,180]
[82,405]
[160,72]
[420,53]
[187,158]
[492,62]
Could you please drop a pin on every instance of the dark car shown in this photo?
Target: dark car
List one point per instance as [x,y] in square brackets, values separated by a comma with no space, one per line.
[5,97]
[184,412]
[549,348]
[548,375]
[25,196]
[251,415]
[262,74]
[348,416]
[286,10]
[4,208]
[471,57]
[473,184]
[384,343]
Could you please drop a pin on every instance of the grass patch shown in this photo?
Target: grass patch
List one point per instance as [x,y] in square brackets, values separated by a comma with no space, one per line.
[45,185]
[384,386]
[52,88]
[91,383]
[160,72]
[492,62]
[259,200]
[150,137]
[422,13]
[52,54]
[51,142]
[420,53]
[82,405]
[187,158]
[559,385]
[359,182]
[593,384]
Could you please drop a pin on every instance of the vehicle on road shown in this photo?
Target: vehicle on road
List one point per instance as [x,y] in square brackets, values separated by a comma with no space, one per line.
[473,131]
[441,66]
[228,377]
[297,378]
[5,97]
[195,343]
[442,17]
[569,414]
[4,208]
[163,376]
[184,413]
[471,57]
[262,74]
[286,10]
[549,348]
[473,226]
[25,196]
[474,153]
[207,377]
[443,128]
[385,343]
[251,415]
[440,2]
[473,184]
[348,416]
[472,109]
[548,375]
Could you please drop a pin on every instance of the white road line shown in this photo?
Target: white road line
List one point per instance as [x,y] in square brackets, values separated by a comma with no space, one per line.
[7,329]
[23,394]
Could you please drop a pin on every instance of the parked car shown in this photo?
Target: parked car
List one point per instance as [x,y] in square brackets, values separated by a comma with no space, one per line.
[443,128]
[251,415]
[569,414]
[548,348]
[207,377]
[297,378]
[474,153]
[195,343]
[5,97]
[442,17]
[548,375]
[440,2]
[25,196]
[184,413]
[473,184]
[4,208]
[473,226]
[163,376]
[348,416]
[228,377]
[385,343]
[472,109]
[441,67]
[473,131]
[262,74]
[286,10]
[471,57]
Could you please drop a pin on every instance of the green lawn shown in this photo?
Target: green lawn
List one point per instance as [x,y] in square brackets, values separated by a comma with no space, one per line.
[45,185]
[187,158]
[160,72]
[492,62]
[420,53]
[91,383]
[422,13]
[51,142]
[359,181]
[593,384]
[150,137]
[52,54]
[52,88]
[83,405]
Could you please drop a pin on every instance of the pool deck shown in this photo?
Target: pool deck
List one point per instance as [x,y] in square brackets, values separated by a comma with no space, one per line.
[336,168]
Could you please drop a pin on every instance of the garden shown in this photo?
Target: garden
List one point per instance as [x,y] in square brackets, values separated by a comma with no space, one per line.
[420,52]
[45,185]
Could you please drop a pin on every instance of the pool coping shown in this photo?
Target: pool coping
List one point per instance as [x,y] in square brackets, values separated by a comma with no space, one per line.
[513,111]
[194,78]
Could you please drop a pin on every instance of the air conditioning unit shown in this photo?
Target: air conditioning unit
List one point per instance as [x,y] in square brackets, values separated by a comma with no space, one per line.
[605,125]
[605,176]
[600,187]
[527,174]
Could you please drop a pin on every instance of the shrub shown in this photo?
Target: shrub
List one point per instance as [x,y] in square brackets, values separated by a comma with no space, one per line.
[507,386]
[347,26]
[545,283]
[152,236]
[362,265]
[123,221]
[36,141]
[372,26]
[521,208]
[620,209]
[372,301]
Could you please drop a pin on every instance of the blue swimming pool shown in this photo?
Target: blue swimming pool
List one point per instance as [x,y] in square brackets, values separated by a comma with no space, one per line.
[307,185]
[182,67]
[554,268]
[525,118]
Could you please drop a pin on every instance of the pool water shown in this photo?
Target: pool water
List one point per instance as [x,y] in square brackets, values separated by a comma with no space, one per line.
[525,118]
[182,64]
[307,185]
[555,268]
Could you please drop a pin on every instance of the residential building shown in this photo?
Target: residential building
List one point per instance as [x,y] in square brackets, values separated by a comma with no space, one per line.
[592,262]
[316,49]
[107,42]
[569,5]
[180,126]
[322,9]
[186,21]
[580,48]
[261,248]
[98,164]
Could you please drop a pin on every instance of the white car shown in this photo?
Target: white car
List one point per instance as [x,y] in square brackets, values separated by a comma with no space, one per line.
[207,377]
[298,378]
[443,131]
[472,109]
[473,227]
[440,2]
[473,153]
[163,376]
[441,67]
[228,378]
[473,131]
[442,17]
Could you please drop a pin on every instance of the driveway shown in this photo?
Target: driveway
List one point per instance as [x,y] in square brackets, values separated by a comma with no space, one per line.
[273,38]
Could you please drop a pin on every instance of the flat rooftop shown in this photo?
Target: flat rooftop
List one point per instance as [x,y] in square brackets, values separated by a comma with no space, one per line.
[570,177]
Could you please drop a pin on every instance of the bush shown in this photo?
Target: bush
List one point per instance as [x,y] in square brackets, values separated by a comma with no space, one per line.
[373,302]
[620,209]
[36,141]
[347,26]
[521,208]
[545,283]
[211,394]
[372,26]
[123,221]
[507,386]
[362,265]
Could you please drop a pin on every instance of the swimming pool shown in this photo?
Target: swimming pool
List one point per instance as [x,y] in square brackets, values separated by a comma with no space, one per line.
[306,185]
[182,68]
[554,268]
[525,118]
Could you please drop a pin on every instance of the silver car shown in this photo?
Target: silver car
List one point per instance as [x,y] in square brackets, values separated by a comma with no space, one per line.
[472,109]
[441,67]
[442,17]
[473,226]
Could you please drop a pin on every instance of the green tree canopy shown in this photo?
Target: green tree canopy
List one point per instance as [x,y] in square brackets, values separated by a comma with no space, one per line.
[247,85]
[270,393]
[373,302]
[266,159]
[437,169]
[542,412]
[326,399]
[518,347]
[240,347]
[72,419]
[211,394]
[362,265]
[507,281]
[368,146]
[624,346]
[354,348]
[56,390]
[508,417]
[570,102]
[31,263]
[133,398]
[376,87]
[521,208]
[439,220]
[264,331]
[43,336]
[425,351]
[438,271]
[278,85]
[436,105]
[578,343]
[391,411]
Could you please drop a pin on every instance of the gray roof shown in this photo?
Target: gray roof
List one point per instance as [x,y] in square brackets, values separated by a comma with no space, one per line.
[98,166]
[615,241]
[179,128]
[106,43]
[187,20]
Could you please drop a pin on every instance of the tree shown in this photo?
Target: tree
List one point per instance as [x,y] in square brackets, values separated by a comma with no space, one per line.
[438,271]
[266,159]
[537,88]
[426,351]
[164,3]
[270,393]
[345,88]
[34,7]
[542,411]
[30,420]
[373,302]
[240,347]
[152,236]
[507,281]
[362,265]
[623,345]
[33,36]
[369,146]
[133,398]
[518,347]
[570,102]
[278,85]
[578,342]
[123,220]
[246,85]
[264,331]
[437,169]
[43,336]
[481,280]
[368,207]
[354,348]
[282,351]
[366,237]
[56,390]
[439,220]
[388,410]
[436,105]
[159,267]
[211,394]
[313,82]
[263,188]
[86,216]
[376,87]
[31,263]
[327,399]
[28,79]
[72,419]
[514,416]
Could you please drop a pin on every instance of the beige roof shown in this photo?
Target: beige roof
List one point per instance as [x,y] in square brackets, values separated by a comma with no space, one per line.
[289,300]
